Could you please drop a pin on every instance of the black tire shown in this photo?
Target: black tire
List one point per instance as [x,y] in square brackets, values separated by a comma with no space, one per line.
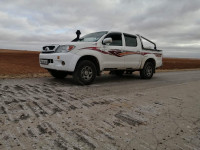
[147,71]
[58,74]
[85,72]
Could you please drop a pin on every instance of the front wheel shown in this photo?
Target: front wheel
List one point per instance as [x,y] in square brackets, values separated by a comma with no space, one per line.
[85,72]
[147,71]
[58,74]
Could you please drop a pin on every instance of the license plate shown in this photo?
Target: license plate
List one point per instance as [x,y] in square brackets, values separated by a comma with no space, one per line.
[44,61]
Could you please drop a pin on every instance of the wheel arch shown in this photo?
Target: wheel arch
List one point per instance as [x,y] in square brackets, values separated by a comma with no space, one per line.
[152,60]
[92,59]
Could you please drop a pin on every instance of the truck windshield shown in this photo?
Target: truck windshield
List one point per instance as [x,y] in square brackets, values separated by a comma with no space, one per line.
[92,37]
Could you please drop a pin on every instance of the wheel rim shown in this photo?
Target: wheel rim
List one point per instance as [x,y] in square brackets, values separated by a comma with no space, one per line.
[149,71]
[86,73]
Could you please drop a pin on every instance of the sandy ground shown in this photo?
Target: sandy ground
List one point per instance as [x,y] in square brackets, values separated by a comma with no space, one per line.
[25,64]
[19,63]
[114,113]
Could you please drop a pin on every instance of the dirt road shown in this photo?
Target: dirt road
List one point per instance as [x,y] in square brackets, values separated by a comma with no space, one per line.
[114,113]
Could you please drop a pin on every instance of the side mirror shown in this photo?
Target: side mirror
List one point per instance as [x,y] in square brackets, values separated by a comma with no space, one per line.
[107,41]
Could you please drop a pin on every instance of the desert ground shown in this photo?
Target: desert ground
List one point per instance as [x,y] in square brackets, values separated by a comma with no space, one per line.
[17,64]
[114,113]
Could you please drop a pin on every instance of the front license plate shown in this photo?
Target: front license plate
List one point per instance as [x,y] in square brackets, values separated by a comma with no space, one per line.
[44,61]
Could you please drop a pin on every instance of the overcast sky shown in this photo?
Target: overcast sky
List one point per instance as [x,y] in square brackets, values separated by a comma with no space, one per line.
[30,24]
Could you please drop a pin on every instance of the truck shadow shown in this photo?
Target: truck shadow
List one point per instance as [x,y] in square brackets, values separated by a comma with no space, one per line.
[103,79]
[113,78]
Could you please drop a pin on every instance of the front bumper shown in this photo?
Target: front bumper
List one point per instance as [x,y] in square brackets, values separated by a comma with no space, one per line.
[55,61]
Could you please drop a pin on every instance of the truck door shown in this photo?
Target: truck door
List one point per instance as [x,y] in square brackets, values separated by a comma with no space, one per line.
[113,59]
[132,51]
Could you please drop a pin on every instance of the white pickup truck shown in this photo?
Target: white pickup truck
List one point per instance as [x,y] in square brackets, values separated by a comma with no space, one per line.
[93,53]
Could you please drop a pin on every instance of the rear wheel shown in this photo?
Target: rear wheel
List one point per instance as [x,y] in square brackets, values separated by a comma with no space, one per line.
[58,74]
[85,72]
[147,71]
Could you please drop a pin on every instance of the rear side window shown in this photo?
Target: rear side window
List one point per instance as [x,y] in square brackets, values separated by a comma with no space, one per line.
[130,40]
[116,39]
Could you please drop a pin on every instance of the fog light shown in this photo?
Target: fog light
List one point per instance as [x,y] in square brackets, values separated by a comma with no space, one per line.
[63,63]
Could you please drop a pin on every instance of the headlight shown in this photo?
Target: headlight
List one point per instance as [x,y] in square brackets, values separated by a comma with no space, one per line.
[64,48]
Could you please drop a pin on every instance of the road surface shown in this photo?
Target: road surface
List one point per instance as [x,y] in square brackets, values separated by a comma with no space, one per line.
[124,113]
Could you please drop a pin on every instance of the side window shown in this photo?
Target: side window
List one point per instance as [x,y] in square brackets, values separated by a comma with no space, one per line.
[116,39]
[130,40]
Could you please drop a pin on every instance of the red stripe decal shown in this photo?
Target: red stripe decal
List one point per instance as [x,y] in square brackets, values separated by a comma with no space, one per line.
[119,53]
[95,49]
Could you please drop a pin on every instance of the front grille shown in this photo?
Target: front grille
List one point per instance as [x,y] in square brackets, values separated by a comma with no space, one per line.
[48,49]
